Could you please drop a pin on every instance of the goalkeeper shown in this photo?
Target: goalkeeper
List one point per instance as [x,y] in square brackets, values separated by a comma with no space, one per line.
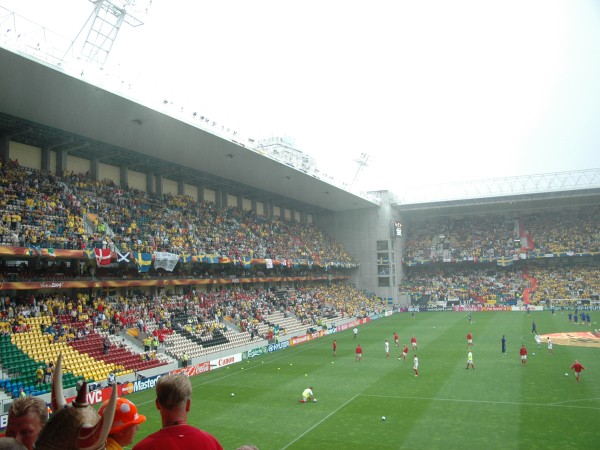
[308,395]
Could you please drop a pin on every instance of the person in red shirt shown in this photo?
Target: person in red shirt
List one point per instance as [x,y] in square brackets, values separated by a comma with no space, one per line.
[396,339]
[413,342]
[523,353]
[470,339]
[173,399]
[358,353]
[404,352]
[334,348]
[578,368]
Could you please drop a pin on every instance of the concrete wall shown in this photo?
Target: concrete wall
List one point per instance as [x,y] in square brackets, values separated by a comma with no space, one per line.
[359,231]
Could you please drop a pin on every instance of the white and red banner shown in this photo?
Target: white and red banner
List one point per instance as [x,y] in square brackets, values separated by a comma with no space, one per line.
[226,361]
[97,396]
[190,371]
[102,256]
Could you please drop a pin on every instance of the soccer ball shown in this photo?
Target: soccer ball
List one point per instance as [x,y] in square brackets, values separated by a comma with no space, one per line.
[533,354]
[383,418]
[315,400]
[566,374]
[232,394]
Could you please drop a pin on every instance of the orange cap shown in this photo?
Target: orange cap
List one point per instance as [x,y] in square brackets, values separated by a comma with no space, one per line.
[125,415]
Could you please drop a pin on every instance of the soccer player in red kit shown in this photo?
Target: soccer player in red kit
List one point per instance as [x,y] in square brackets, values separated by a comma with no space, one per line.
[413,342]
[358,353]
[578,368]
[523,353]
[396,339]
[334,348]
[470,339]
[404,352]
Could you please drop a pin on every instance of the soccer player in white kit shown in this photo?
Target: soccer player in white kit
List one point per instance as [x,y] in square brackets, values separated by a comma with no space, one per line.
[470,360]
[307,395]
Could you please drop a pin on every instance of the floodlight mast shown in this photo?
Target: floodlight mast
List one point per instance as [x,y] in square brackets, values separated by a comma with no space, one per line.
[103,26]
[362,162]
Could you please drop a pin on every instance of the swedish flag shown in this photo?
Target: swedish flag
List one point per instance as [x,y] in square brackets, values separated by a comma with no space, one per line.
[211,259]
[143,261]
[185,258]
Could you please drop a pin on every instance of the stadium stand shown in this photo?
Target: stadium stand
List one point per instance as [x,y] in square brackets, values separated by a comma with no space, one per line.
[42,211]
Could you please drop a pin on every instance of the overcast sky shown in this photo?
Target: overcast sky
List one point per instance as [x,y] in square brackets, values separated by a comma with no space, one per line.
[432,91]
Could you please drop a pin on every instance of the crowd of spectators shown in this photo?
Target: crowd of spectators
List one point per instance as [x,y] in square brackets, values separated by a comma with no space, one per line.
[546,284]
[198,312]
[468,285]
[571,235]
[476,237]
[351,302]
[96,323]
[569,230]
[556,283]
[461,239]
[76,212]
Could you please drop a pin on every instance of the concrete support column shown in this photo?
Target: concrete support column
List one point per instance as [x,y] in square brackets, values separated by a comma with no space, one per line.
[94,169]
[4,144]
[123,176]
[158,184]
[61,162]
[150,183]
[45,158]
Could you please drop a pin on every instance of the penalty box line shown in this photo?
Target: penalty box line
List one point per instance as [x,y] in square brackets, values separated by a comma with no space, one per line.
[491,402]
[320,421]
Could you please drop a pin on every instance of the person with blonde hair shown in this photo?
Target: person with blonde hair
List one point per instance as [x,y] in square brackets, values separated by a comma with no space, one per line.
[26,418]
[173,401]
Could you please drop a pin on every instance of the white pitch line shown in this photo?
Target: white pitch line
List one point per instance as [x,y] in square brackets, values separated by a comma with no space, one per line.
[573,401]
[493,402]
[320,422]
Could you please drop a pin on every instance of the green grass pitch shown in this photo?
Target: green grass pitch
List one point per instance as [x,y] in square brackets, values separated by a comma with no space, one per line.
[499,405]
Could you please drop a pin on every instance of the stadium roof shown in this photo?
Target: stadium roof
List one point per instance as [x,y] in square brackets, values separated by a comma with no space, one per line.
[559,182]
[40,105]
[506,204]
